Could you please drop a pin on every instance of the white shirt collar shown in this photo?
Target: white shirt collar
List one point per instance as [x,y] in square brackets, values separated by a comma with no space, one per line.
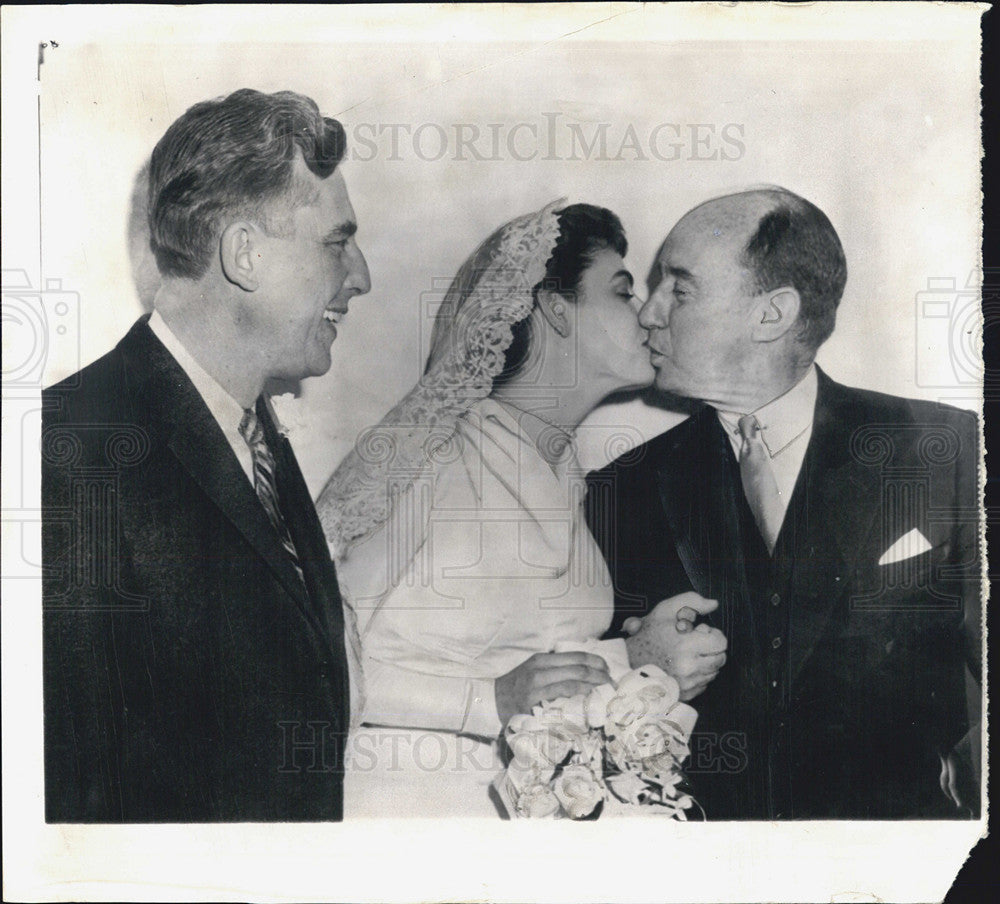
[784,419]
[222,405]
[224,408]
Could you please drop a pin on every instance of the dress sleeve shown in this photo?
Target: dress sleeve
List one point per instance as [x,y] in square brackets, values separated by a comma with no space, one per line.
[408,699]
[418,645]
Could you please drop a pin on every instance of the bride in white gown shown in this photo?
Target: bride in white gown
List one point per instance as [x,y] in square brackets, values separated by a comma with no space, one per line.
[457,522]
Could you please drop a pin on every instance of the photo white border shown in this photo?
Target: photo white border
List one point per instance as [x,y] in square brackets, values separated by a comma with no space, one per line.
[414,860]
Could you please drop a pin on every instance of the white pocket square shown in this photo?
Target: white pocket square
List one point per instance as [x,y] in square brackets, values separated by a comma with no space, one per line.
[906,547]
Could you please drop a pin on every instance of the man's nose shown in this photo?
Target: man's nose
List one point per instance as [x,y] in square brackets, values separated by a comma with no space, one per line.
[358,278]
[654,313]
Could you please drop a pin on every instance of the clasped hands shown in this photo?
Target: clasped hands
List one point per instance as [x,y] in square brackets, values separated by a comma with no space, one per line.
[668,637]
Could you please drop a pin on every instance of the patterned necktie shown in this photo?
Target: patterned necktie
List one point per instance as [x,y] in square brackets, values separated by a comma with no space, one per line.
[252,432]
[759,485]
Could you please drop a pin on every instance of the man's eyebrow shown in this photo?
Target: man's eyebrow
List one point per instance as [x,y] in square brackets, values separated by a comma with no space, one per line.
[680,273]
[341,231]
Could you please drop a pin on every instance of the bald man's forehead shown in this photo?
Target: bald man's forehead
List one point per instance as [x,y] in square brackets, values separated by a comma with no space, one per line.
[738,213]
[707,243]
[709,229]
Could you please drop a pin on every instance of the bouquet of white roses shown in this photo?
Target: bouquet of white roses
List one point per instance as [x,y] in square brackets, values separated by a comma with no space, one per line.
[618,748]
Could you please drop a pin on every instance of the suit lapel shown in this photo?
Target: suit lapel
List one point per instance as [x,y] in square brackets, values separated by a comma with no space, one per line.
[698,498]
[196,440]
[679,476]
[310,544]
[832,514]
[209,460]
[836,501]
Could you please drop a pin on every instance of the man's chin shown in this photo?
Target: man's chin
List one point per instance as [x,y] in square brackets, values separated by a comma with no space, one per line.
[320,361]
[316,366]
[674,393]
[320,369]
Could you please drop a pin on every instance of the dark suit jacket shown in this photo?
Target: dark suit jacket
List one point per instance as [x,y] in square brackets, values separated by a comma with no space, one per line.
[845,678]
[188,675]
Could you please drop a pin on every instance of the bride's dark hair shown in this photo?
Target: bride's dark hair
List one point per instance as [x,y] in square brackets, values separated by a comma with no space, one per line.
[584,230]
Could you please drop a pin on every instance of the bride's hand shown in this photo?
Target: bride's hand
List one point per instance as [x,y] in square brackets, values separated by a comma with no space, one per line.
[546,676]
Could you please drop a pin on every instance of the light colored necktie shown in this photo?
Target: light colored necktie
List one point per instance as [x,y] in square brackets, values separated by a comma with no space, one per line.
[759,485]
[252,432]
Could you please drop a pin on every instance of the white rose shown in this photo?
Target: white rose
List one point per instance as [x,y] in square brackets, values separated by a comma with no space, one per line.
[651,738]
[539,747]
[523,775]
[537,802]
[642,694]
[624,709]
[578,791]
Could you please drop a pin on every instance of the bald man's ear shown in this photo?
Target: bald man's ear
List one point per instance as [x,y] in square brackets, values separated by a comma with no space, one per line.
[775,313]
[239,255]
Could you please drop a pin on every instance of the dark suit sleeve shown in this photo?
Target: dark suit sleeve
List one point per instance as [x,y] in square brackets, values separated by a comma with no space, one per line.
[968,496]
[966,758]
[961,576]
[944,642]
[81,768]
[627,519]
[81,771]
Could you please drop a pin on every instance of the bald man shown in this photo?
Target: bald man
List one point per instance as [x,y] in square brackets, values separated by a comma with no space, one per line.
[836,528]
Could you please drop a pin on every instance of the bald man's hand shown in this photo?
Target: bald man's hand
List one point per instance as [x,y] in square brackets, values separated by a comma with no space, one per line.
[667,637]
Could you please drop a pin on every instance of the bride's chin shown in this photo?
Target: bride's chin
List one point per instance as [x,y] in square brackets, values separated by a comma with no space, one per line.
[646,376]
[636,383]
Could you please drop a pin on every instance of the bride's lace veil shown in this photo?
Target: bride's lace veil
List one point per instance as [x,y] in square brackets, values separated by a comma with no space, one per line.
[491,292]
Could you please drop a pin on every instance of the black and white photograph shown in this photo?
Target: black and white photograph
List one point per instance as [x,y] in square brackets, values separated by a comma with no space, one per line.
[430,428]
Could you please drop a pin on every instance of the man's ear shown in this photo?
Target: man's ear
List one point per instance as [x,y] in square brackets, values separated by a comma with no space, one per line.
[554,308]
[239,255]
[775,313]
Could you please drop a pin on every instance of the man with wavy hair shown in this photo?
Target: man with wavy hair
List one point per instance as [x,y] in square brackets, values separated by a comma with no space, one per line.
[836,528]
[194,658]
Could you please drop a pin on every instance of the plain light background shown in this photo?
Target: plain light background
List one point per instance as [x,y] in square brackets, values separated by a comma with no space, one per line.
[869,110]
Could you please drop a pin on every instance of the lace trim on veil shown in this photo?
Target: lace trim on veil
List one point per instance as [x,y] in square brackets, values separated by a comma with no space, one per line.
[491,292]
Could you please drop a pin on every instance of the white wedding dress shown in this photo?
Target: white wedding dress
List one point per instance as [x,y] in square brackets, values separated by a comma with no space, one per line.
[483,561]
